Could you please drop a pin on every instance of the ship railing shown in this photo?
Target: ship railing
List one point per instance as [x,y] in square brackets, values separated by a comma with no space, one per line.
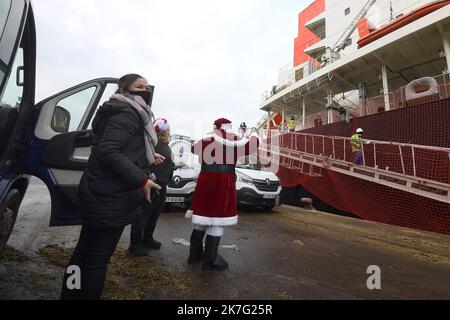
[288,72]
[321,118]
[419,169]
[398,98]
[266,95]
[286,68]
[313,66]
[374,105]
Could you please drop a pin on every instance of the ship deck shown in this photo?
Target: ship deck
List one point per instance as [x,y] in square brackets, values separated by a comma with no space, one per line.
[409,52]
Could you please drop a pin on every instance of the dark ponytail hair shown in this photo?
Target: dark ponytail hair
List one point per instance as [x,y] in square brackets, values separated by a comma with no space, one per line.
[126,81]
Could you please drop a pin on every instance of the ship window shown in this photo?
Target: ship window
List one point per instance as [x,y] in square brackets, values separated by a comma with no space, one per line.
[347,11]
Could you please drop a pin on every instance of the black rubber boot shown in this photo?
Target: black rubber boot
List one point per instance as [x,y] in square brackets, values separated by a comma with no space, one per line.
[196,249]
[137,248]
[152,244]
[138,251]
[212,260]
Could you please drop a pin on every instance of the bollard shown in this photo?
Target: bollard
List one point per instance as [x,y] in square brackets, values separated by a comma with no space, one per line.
[307,203]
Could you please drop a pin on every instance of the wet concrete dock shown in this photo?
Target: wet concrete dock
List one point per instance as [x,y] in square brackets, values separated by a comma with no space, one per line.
[289,253]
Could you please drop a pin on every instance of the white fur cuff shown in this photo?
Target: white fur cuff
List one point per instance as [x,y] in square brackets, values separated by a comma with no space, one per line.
[220,222]
[189,214]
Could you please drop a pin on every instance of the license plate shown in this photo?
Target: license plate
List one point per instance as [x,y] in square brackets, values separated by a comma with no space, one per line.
[174,200]
[269,196]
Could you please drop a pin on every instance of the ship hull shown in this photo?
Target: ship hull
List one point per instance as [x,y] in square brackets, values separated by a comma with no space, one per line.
[371,201]
[425,124]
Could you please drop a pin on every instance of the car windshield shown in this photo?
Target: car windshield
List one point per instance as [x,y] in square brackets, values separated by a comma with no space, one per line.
[249,163]
[249,166]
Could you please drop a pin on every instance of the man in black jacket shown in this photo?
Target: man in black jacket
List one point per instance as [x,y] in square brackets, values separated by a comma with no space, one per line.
[141,237]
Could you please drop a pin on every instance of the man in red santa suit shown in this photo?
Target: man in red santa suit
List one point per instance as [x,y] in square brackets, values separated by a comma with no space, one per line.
[214,203]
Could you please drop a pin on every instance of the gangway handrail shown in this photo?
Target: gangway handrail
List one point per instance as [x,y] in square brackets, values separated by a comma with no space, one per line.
[405,183]
[371,169]
[417,146]
[410,181]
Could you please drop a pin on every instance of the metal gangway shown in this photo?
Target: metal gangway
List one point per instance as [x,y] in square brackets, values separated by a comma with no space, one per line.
[418,169]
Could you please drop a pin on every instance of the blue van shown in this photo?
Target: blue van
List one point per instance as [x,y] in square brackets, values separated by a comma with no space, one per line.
[51,139]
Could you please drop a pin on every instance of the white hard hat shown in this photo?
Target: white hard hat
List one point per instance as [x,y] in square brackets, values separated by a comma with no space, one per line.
[359,130]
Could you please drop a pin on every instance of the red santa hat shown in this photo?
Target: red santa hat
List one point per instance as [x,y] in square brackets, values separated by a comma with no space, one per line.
[161,125]
[220,122]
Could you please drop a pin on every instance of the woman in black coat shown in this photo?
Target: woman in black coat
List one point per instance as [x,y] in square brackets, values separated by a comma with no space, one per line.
[114,185]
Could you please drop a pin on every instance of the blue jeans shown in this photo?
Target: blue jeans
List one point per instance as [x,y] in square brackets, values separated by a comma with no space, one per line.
[358,158]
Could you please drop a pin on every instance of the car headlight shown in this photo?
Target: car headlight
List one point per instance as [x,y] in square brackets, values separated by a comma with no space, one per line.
[245,179]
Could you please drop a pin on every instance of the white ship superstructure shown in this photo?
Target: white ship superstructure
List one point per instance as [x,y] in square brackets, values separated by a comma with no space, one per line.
[330,70]
[382,66]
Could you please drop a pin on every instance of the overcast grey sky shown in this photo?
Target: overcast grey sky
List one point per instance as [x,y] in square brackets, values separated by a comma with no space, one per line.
[207,58]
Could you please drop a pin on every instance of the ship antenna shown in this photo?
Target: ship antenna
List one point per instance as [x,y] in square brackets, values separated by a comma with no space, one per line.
[392,10]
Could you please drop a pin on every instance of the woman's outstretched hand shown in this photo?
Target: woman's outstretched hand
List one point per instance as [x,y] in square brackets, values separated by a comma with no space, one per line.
[147,190]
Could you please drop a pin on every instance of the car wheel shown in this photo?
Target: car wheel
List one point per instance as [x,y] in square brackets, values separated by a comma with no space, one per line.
[268,208]
[8,210]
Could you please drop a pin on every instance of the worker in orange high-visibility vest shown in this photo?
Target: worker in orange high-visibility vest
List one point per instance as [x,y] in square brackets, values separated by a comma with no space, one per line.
[357,147]
[292,124]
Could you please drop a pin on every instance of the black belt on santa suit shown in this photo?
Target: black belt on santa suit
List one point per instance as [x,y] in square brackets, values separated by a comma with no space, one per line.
[222,168]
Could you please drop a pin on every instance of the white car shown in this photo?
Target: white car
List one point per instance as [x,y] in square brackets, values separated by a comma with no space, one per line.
[181,189]
[257,188]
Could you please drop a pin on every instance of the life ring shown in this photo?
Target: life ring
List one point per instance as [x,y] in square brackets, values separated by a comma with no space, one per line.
[422,87]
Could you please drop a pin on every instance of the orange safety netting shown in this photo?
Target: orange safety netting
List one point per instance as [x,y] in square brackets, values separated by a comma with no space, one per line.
[411,143]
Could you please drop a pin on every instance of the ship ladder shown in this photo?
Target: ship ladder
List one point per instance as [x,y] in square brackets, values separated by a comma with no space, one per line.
[418,169]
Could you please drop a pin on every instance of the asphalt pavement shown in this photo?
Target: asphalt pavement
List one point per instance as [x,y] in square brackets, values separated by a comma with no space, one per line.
[287,254]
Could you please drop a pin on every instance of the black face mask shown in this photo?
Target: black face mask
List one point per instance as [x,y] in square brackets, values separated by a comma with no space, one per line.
[146,95]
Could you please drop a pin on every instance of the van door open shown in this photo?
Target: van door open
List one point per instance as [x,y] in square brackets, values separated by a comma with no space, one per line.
[61,143]
[17,73]
[17,83]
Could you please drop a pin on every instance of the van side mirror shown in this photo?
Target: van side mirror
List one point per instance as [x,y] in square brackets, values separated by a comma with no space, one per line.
[61,120]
